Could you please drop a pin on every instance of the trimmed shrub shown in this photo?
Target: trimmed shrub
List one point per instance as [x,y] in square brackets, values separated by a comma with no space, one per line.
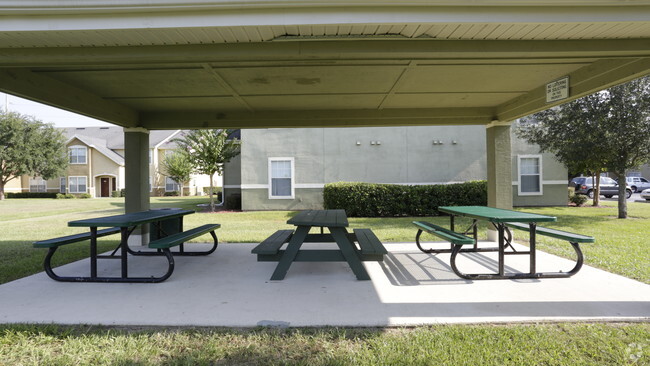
[85,195]
[172,193]
[60,196]
[577,199]
[31,195]
[388,200]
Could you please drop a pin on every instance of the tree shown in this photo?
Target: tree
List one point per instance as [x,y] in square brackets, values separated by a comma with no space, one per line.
[627,131]
[178,166]
[605,131]
[29,147]
[209,150]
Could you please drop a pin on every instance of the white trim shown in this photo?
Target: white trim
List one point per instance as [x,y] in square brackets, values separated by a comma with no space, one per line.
[136,129]
[293,175]
[309,185]
[497,123]
[39,183]
[540,173]
[77,147]
[104,174]
[78,176]
[548,182]
[322,185]
[166,139]
[175,183]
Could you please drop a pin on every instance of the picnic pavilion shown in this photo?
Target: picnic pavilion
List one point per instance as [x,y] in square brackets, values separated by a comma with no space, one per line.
[160,64]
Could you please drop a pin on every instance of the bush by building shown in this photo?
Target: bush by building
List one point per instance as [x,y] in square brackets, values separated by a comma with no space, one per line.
[388,200]
[31,195]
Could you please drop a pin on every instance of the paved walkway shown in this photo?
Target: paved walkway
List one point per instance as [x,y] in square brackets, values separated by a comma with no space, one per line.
[230,288]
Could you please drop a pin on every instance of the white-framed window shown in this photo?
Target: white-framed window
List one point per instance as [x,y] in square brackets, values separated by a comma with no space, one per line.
[62,184]
[530,175]
[77,184]
[78,154]
[281,178]
[37,185]
[150,185]
[171,185]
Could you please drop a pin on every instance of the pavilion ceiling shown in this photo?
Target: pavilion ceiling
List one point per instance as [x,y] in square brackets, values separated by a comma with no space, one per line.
[187,70]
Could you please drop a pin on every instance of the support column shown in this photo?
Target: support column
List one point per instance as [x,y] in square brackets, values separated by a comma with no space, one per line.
[499,168]
[136,171]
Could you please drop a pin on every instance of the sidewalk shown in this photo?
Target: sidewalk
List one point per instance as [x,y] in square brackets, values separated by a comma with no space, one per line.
[230,288]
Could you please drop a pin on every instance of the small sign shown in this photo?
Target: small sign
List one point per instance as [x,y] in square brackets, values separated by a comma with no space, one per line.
[557,90]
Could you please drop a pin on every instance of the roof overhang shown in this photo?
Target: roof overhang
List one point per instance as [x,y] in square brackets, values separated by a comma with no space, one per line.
[172,65]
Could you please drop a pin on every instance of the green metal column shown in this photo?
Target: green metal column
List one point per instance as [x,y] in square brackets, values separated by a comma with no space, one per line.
[136,160]
[499,165]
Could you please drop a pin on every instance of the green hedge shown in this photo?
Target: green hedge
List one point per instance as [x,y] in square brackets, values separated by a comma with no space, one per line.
[30,195]
[387,200]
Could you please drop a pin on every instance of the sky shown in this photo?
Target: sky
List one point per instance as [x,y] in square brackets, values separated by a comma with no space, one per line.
[47,114]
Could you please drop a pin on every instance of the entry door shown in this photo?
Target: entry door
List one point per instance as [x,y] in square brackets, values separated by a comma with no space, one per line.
[105,187]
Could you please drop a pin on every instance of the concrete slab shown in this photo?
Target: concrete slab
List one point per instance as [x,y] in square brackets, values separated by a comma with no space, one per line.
[230,288]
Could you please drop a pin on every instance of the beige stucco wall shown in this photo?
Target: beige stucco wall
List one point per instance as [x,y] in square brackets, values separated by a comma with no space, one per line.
[102,166]
[15,185]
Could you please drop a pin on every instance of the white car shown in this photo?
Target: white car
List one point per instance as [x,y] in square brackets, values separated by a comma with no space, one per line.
[637,184]
[646,194]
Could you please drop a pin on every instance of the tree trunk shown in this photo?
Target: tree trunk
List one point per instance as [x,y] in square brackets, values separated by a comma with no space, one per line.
[2,190]
[622,200]
[211,193]
[181,189]
[596,180]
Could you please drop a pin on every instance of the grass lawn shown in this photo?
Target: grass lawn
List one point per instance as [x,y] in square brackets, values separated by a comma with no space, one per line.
[520,345]
[620,244]
[620,248]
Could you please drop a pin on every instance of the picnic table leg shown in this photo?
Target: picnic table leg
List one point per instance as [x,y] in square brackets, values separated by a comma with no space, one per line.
[93,252]
[290,253]
[124,242]
[502,248]
[533,238]
[349,252]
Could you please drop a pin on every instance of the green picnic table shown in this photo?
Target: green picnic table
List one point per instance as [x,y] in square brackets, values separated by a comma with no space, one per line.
[501,219]
[166,229]
[336,221]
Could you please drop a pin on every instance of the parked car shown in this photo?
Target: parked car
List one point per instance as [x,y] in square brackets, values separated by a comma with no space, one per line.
[608,187]
[637,184]
[646,194]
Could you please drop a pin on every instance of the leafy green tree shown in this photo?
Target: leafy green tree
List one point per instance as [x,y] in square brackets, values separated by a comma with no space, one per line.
[177,166]
[605,131]
[626,129]
[29,147]
[209,150]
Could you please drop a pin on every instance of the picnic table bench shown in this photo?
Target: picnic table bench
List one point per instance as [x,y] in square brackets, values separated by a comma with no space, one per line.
[370,247]
[502,220]
[573,239]
[125,225]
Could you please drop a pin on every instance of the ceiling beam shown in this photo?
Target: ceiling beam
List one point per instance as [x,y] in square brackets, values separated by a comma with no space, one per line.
[584,81]
[318,118]
[224,84]
[418,49]
[27,84]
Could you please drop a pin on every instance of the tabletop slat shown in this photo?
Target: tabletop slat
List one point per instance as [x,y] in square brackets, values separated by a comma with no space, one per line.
[130,219]
[497,215]
[326,218]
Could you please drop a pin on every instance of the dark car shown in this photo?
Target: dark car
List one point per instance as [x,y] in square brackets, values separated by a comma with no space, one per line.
[608,187]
